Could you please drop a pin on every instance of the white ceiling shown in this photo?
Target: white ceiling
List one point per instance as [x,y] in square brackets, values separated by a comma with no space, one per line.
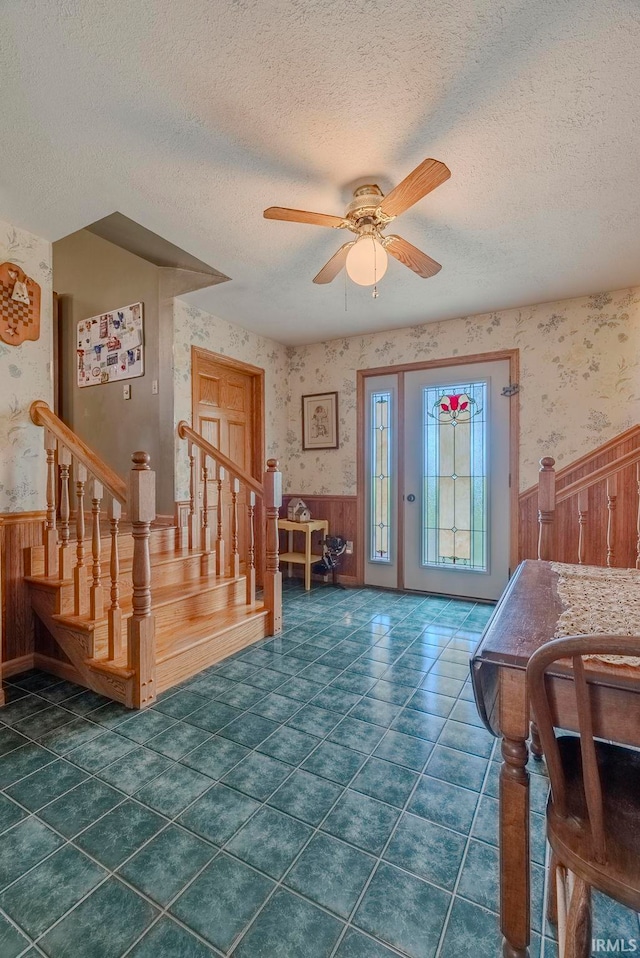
[191,117]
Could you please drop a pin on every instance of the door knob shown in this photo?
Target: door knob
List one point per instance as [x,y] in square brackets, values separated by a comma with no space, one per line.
[411,497]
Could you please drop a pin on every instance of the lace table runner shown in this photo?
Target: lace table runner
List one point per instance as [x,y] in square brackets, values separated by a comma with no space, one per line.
[599,600]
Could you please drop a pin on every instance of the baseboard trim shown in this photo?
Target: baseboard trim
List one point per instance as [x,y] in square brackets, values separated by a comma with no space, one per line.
[15,666]
[64,670]
[36,660]
[350,581]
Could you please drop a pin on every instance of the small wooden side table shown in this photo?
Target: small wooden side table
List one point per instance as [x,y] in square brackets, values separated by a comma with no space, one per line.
[302,558]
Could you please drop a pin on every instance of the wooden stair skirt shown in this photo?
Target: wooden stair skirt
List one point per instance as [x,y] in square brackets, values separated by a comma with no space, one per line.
[146,609]
[588,512]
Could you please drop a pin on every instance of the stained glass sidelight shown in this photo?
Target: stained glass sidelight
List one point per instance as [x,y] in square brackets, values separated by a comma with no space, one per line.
[380,476]
[455,476]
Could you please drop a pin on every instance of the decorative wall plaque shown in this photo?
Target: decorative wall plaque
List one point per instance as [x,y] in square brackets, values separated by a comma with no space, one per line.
[19,305]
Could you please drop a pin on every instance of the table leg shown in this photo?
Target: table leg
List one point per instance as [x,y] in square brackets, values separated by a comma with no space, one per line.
[307,560]
[290,549]
[536,747]
[515,879]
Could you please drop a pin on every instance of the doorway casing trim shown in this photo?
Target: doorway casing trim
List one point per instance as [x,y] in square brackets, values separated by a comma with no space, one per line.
[199,355]
[513,357]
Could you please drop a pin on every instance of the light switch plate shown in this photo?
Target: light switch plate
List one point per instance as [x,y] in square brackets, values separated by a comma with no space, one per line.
[126,392]
[154,387]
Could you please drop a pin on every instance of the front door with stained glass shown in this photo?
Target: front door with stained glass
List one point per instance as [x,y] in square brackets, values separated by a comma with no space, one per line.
[455,499]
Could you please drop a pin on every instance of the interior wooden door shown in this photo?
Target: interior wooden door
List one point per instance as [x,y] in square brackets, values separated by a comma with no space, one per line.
[227,399]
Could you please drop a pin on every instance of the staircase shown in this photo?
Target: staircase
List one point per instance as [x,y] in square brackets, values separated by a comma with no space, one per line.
[137,609]
[588,512]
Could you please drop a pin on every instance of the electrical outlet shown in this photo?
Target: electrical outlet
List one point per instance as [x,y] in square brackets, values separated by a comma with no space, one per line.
[154,387]
[349,549]
[126,392]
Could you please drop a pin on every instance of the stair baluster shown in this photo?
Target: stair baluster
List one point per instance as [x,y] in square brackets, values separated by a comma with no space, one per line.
[220,556]
[546,506]
[50,533]
[583,508]
[206,531]
[251,551]
[193,515]
[81,589]
[64,461]
[141,650]
[612,495]
[235,555]
[273,576]
[96,597]
[114,615]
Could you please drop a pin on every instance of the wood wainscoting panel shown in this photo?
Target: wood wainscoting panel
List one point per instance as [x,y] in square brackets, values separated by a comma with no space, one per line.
[19,532]
[565,529]
[342,514]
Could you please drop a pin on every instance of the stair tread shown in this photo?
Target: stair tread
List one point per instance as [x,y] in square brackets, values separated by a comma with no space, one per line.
[201,627]
[158,558]
[207,626]
[163,595]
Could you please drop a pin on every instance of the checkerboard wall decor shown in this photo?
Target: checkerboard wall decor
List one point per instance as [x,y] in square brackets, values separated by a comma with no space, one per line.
[19,305]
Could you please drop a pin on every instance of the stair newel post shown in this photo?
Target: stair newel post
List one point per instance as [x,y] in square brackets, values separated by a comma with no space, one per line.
[50,531]
[114,614]
[638,520]
[96,597]
[273,576]
[251,552]
[546,506]
[81,585]
[193,486]
[583,508]
[612,495]
[205,561]
[64,461]
[220,556]
[141,646]
[235,555]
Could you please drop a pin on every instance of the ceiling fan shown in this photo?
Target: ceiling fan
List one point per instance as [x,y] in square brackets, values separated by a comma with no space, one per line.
[367,215]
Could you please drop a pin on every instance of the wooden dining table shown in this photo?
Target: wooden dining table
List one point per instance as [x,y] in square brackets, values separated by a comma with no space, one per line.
[524,619]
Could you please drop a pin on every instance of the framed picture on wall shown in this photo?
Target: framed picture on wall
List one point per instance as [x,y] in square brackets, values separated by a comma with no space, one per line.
[320,421]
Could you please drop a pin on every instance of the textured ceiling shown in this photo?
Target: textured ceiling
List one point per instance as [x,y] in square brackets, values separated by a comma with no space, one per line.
[191,117]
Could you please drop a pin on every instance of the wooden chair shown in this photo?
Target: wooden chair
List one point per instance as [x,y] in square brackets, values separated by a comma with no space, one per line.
[593,811]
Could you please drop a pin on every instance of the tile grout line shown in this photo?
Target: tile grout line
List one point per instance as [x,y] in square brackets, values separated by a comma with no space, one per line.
[292,864]
[388,842]
[279,884]
[287,677]
[463,860]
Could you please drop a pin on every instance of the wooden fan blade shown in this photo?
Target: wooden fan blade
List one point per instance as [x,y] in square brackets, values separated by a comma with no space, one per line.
[411,256]
[302,216]
[331,269]
[426,177]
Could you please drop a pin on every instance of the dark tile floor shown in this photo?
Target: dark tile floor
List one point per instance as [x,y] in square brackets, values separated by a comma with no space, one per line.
[328,793]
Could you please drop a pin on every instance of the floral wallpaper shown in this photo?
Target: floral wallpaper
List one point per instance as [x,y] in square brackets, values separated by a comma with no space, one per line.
[194,327]
[579,383]
[579,380]
[25,374]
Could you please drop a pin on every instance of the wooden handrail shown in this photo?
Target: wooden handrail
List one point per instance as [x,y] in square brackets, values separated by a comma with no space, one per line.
[604,472]
[186,432]
[42,415]
[631,436]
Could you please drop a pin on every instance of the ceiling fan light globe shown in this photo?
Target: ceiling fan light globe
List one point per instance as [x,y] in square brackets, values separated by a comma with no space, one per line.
[366,261]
